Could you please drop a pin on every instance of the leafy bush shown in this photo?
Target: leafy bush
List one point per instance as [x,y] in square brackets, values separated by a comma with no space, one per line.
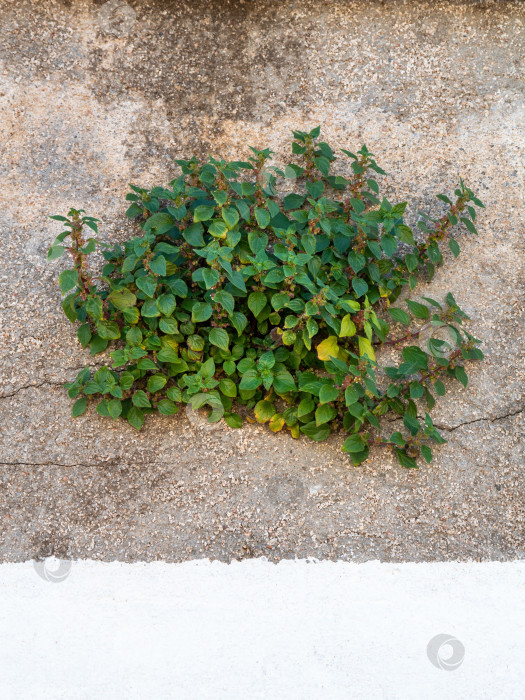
[240,298]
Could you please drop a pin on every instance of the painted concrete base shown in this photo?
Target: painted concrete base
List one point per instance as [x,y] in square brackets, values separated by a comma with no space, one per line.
[258,630]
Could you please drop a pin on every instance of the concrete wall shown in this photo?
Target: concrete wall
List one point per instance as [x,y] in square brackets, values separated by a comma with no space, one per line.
[435,89]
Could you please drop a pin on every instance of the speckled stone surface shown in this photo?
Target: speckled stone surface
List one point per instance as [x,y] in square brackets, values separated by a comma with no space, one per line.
[91,100]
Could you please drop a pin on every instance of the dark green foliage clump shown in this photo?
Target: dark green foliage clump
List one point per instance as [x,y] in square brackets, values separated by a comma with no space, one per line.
[250,302]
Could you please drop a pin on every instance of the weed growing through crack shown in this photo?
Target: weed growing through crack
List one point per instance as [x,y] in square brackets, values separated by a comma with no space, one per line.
[252,303]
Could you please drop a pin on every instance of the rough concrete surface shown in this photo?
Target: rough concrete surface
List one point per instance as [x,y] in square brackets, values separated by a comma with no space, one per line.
[435,89]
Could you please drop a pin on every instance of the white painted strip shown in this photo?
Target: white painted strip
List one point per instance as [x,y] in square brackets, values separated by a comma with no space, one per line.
[257,630]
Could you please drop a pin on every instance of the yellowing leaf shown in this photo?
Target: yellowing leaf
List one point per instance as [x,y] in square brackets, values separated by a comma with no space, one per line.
[328,348]
[365,348]
[294,431]
[348,328]
[277,423]
[264,411]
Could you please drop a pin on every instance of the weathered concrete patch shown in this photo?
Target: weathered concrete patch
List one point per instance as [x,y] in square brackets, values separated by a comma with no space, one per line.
[435,90]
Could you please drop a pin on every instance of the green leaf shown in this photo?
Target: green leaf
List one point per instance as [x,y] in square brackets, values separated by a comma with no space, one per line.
[97,344]
[230,216]
[79,407]
[427,453]
[167,407]
[84,334]
[203,212]
[218,229]
[324,413]
[419,310]
[360,286]
[412,424]
[174,393]
[439,388]
[122,298]
[131,314]
[94,307]
[133,211]
[161,222]
[158,265]
[454,247]
[56,251]
[405,460]
[147,284]
[238,321]
[225,299]
[219,337]
[405,234]
[461,375]
[353,443]
[250,380]
[167,354]
[399,315]
[256,303]
[129,264]
[166,304]
[135,417]
[156,382]
[305,407]
[140,399]
[415,356]
[398,439]
[323,164]
[114,408]
[283,382]
[146,363]
[201,311]
[210,277]
[262,216]
[67,280]
[108,330]
[316,432]
[468,223]
[150,309]
[351,396]
[233,420]
[328,393]
[228,388]
[193,235]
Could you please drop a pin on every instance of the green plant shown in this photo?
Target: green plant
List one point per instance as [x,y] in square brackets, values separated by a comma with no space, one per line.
[236,296]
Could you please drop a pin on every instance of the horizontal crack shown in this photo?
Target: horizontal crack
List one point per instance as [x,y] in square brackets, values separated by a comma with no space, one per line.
[47,382]
[478,420]
[79,464]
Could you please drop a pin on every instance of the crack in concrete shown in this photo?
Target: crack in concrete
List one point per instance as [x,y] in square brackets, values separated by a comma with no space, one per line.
[450,429]
[59,464]
[48,382]
[446,428]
